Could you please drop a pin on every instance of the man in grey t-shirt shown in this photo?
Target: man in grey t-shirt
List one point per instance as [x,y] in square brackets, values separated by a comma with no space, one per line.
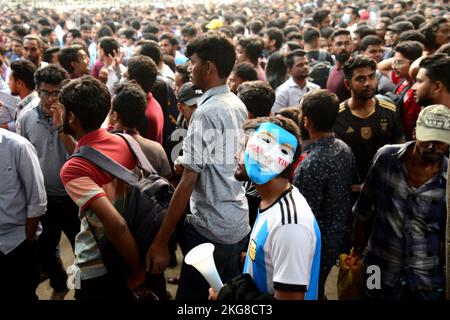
[217,201]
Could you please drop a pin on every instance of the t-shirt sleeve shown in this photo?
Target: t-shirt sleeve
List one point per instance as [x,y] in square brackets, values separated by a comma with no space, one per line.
[293,247]
[80,184]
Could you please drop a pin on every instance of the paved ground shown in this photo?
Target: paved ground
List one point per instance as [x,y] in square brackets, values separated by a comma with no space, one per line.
[44,290]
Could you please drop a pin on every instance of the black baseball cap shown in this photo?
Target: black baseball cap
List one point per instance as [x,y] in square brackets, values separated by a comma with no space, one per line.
[188,94]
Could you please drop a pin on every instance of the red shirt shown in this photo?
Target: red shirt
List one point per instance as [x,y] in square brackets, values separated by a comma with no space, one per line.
[410,110]
[84,181]
[155,120]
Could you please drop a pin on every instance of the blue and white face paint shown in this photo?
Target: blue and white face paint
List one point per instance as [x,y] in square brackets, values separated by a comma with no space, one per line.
[269,151]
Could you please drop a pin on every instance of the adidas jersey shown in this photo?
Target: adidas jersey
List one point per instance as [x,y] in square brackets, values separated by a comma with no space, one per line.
[366,135]
[284,247]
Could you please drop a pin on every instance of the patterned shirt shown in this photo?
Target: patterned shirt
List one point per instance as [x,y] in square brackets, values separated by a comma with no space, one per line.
[408,234]
[324,178]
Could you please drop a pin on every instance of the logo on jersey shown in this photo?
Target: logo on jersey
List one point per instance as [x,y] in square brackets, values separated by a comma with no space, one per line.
[384,125]
[350,130]
[366,133]
[252,250]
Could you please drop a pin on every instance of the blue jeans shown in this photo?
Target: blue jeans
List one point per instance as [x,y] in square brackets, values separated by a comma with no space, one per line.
[192,285]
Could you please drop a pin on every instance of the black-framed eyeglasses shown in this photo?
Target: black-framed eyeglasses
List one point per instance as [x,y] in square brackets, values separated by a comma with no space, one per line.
[48,94]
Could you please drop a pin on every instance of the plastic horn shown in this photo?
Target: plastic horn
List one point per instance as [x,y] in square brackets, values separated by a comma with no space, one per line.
[201,258]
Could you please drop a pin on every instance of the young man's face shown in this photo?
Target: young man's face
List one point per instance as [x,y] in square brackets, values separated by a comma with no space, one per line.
[374,51]
[167,47]
[300,68]
[48,93]
[342,47]
[401,65]
[198,69]
[32,51]
[13,85]
[234,81]
[241,54]
[363,83]
[423,88]
[443,34]
[81,67]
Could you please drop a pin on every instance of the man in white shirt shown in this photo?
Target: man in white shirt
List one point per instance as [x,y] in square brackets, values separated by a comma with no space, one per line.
[293,89]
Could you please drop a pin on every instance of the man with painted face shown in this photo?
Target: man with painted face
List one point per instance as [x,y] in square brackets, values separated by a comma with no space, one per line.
[283,255]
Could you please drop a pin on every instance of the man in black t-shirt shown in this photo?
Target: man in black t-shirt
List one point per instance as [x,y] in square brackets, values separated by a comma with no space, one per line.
[364,122]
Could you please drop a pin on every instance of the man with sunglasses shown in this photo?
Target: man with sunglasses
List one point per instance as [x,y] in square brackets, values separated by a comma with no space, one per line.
[42,125]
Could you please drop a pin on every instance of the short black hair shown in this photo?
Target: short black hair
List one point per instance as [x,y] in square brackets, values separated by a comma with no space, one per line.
[189,31]
[437,68]
[68,55]
[246,71]
[150,49]
[256,26]
[322,107]
[411,50]
[24,70]
[183,69]
[51,74]
[214,47]
[88,99]
[340,32]
[311,34]
[129,102]
[413,35]
[290,113]
[257,96]
[169,36]
[129,33]
[290,57]
[86,26]
[320,15]
[429,31]
[45,31]
[47,56]
[355,62]
[277,35]
[285,123]
[109,45]
[104,31]
[253,46]
[370,40]
[151,28]
[144,70]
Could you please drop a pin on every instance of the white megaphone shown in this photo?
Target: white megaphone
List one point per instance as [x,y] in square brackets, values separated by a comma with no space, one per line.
[201,258]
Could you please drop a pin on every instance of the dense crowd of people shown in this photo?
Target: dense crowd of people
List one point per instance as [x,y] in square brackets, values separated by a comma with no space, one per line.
[292,132]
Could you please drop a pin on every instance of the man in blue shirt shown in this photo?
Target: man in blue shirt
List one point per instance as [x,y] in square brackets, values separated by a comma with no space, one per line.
[22,202]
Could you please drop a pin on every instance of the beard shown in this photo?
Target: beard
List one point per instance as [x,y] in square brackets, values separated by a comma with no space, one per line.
[431,157]
[67,129]
[424,101]
[366,94]
[304,134]
[239,174]
[343,56]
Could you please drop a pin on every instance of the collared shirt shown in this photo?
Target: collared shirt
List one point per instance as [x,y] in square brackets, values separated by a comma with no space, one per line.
[52,154]
[218,204]
[22,191]
[290,93]
[324,177]
[26,104]
[408,234]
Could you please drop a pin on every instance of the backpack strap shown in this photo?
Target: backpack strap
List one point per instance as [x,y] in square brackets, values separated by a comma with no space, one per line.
[106,164]
[137,151]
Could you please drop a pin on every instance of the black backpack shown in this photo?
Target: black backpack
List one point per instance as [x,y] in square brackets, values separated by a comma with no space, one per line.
[319,70]
[145,207]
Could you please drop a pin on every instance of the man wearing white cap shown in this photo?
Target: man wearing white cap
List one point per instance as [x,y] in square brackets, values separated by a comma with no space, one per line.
[405,191]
